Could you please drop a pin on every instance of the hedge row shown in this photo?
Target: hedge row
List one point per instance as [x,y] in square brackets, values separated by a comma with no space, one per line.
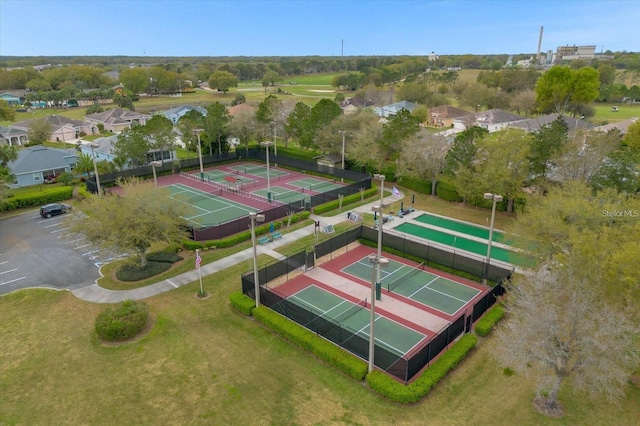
[128,272]
[349,199]
[242,302]
[244,235]
[305,339]
[489,320]
[123,322]
[398,392]
[51,195]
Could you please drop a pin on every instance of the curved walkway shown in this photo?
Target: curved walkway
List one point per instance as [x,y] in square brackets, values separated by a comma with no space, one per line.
[95,293]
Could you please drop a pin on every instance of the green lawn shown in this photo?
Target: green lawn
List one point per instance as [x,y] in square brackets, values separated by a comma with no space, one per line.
[604,113]
[203,363]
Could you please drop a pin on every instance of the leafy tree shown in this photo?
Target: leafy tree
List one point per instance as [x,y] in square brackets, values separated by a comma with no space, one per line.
[39,131]
[545,144]
[215,124]
[187,126]
[399,128]
[270,77]
[239,99]
[321,115]
[632,137]
[268,109]
[243,126]
[607,74]
[524,102]
[123,101]
[464,149]
[297,119]
[6,112]
[132,147]
[223,81]
[423,156]
[159,129]
[132,221]
[135,79]
[93,109]
[620,171]
[8,154]
[584,154]
[560,87]
[84,165]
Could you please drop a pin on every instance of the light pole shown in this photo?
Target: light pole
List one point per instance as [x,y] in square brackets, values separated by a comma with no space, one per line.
[155,164]
[275,145]
[197,132]
[267,145]
[343,133]
[376,263]
[255,218]
[95,167]
[496,199]
[380,177]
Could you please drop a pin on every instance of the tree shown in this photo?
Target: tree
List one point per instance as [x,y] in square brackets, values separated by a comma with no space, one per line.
[620,171]
[423,156]
[297,119]
[215,124]
[187,126]
[6,112]
[270,77]
[223,81]
[39,131]
[321,115]
[243,127]
[132,221]
[159,129]
[8,154]
[399,128]
[558,329]
[93,109]
[131,147]
[632,138]
[545,144]
[135,79]
[560,87]
[84,165]
[524,102]
[584,154]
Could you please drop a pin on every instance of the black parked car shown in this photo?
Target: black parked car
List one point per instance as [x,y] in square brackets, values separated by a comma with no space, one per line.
[54,209]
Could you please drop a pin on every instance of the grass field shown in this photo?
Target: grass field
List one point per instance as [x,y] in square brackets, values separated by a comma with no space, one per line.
[203,363]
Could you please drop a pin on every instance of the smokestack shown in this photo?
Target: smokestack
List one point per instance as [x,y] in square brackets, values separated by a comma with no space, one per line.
[539,44]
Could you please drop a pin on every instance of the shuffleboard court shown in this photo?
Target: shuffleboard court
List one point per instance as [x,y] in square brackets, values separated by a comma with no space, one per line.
[391,335]
[466,244]
[209,208]
[285,195]
[463,228]
[431,290]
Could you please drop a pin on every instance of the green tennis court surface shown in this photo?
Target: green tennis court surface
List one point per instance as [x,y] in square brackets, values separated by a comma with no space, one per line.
[221,177]
[432,290]
[463,228]
[257,170]
[316,185]
[389,334]
[466,244]
[210,209]
[285,195]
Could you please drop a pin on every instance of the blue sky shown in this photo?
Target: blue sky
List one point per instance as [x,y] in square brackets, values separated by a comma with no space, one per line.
[303,28]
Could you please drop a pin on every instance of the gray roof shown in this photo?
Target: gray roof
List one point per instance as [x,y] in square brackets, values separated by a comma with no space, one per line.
[448,111]
[39,158]
[56,122]
[623,125]
[183,109]
[9,131]
[117,116]
[534,124]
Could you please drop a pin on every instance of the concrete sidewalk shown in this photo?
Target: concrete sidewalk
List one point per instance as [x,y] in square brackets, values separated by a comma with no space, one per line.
[95,293]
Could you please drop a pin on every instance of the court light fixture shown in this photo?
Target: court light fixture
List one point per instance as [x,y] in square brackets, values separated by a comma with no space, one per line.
[255,217]
[376,263]
[496,199]
[155,164]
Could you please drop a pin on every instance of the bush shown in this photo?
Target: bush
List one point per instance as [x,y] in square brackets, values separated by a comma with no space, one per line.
[129,272]
[37,199]
[349,199]
[489,320]
[447,191]
[385,385]
[123,322]
[242,302]
[163,256]
[305,339]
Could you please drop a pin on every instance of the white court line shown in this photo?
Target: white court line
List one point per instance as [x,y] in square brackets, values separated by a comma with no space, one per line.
[10,270]
[12,281]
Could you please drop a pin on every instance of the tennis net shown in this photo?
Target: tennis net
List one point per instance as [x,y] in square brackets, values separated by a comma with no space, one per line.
[402,278]
[248,170]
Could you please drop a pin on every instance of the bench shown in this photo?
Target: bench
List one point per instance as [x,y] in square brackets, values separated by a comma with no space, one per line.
[263,240]
[276,236]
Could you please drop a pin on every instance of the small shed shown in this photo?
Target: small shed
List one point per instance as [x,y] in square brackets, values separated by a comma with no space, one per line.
[330,160]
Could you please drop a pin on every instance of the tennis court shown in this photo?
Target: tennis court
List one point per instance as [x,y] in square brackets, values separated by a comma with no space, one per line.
[210,208]
[466,244]
[284,195]
[390,335]
[259,170]
[316,185]
[223,177]
[432,290]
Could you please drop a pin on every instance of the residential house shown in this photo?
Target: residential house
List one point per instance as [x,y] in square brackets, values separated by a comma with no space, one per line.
[622,126]
[13,137]
[174,114]
[63,129]
[443,115]
[393,109]
[534,124]
[116,120]
[38,164]
[103,149]
[14,97]
[493,120]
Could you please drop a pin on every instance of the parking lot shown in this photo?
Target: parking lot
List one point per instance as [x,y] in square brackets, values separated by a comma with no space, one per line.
[38,252]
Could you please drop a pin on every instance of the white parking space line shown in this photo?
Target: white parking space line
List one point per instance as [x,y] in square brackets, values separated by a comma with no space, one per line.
[79,247]
[76,240]
[2,263]
[10,270]
[12,281]
[90,252]
[59,230]
[51,226]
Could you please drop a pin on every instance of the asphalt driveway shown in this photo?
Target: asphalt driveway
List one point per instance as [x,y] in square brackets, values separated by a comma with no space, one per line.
[37,252]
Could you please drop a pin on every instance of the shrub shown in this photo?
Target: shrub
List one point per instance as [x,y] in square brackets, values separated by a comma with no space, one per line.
[447,191]
[129,272]
[385,385]
[123,322]
[163,256]
[489,320]
[37,199]
[305,339]
[349,199]
[242,302]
